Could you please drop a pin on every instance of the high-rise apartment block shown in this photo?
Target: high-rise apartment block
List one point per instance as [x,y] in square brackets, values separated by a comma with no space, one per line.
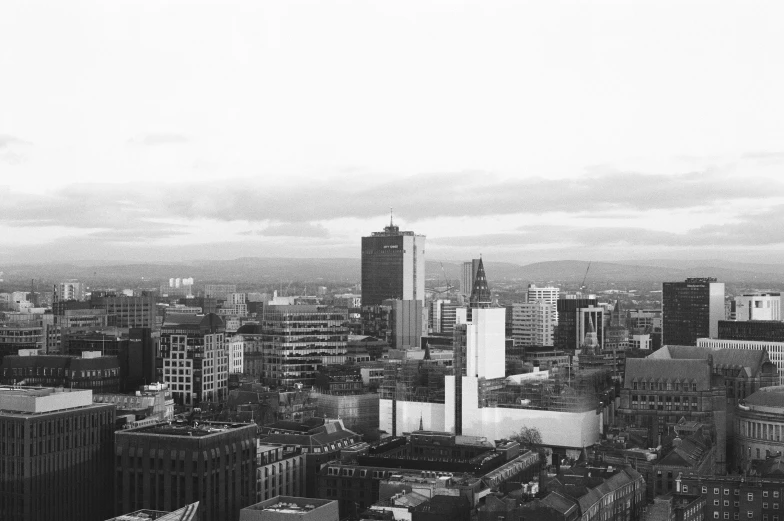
[56,453]
[691,310]
[532,323]
[167,465]
[467,276]
[297,340]
[393,266]
[547,293]
[195,358]
[757,306]
[68,291]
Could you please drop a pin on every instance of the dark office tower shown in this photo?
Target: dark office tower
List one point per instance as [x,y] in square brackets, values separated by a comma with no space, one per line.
[393,266]
[691,310]
[195,358]
[168,465]
[56,454]
[140,358]
[575,316]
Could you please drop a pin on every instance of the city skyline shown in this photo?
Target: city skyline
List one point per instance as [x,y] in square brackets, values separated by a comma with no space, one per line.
[524,131]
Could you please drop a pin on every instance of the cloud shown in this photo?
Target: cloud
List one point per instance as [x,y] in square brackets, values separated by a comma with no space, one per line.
[291,230]
[299,209]
[751,230]
[161,138]
[10,149]
[440,195]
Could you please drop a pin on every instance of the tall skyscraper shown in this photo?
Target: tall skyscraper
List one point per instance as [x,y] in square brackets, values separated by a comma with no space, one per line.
[56,455]
[691,310]
[467,276]
[393,266]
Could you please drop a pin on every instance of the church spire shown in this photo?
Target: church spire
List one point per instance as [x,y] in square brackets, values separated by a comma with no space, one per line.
[480,293]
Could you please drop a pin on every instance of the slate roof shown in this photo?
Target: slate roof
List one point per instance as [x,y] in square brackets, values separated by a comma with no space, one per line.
[749,362]
[767,397]
[652,369]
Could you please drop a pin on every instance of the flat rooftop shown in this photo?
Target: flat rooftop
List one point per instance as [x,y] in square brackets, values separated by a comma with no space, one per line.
[35,400]
[290,504]
[185,429]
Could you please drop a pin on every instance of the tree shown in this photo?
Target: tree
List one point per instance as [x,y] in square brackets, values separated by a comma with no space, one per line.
[530,438]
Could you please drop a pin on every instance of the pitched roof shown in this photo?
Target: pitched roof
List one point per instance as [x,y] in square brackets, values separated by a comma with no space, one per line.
[480,293]
[645,369]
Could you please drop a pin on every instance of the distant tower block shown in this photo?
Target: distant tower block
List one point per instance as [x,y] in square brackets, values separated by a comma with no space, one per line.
[393,266]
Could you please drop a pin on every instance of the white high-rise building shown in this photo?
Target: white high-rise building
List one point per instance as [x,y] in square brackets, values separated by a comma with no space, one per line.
[547,293]
[532,323]
[68,291]
[757,306]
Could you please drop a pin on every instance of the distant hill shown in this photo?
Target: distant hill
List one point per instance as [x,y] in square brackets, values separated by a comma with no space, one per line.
[252,270]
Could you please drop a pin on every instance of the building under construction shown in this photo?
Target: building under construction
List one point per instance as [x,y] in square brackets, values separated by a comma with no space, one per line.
[359,412]
[414,380]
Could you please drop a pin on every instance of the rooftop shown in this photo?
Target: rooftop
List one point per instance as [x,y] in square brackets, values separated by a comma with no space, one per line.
[34,400]
[185,429]
[767,397]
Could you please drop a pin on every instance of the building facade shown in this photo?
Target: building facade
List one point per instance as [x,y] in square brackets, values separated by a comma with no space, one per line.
[756,306]
[690,310]
[167,465]
[195,358]
[297,340]
[532,324]
[393,266]
[56,452]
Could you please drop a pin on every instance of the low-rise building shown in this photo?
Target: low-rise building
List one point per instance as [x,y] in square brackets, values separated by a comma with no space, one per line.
[280,471]
[288,508]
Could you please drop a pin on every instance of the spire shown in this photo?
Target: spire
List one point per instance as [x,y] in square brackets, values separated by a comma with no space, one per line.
[390,217]
[480,294]
[421,426]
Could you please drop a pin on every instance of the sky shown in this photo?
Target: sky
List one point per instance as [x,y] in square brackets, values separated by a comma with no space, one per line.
[526,131]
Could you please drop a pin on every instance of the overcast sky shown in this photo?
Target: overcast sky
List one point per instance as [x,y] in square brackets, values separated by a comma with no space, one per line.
[525,131]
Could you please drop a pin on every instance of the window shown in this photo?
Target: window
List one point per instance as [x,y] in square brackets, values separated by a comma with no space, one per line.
[685,488]
[704,490]
[715,502]
[726,492]
[716,491]
[715,515]
[726,503]
[726,515]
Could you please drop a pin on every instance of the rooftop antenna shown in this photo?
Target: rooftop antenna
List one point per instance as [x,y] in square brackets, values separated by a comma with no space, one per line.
[390,217]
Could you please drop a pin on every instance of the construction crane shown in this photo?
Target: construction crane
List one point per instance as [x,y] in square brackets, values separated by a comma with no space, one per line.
[582,286]
[446,281]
